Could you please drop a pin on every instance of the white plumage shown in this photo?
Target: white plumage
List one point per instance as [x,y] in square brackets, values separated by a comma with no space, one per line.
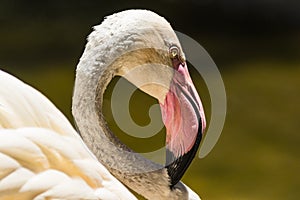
[41,155]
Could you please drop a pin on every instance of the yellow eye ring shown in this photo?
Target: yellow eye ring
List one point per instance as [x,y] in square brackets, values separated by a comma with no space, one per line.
[174,52]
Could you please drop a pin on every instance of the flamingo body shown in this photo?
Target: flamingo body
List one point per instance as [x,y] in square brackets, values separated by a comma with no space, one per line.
[41,155]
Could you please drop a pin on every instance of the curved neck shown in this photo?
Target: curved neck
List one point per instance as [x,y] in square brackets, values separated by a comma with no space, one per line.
[141,175]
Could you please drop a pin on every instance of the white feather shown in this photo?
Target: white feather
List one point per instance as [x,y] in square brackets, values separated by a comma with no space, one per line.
[41,155]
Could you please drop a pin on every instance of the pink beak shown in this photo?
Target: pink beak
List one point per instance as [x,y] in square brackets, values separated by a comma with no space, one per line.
[184,119]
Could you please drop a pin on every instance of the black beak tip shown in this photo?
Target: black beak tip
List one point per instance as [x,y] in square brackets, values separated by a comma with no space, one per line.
[176,167]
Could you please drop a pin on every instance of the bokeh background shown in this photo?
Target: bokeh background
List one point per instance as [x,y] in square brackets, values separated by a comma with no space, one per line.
[255,44]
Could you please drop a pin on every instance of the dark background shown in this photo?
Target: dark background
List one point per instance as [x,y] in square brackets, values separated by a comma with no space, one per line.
[255,44]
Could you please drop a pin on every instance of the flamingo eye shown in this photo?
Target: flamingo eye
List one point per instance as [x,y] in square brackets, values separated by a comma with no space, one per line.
[174,52]
[176,56]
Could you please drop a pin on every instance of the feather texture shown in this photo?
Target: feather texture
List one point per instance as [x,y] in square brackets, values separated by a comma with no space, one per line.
[41,155]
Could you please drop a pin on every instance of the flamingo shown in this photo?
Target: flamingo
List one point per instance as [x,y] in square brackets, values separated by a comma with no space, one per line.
[43,157]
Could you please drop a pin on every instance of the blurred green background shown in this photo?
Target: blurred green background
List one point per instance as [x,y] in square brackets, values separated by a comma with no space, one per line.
[255,44]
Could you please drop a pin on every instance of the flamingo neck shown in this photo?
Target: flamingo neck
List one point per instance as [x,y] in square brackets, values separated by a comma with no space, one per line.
[114,48]
[138,173]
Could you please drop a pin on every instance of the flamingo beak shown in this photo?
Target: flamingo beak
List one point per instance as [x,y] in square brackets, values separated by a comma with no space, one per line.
[184,119]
